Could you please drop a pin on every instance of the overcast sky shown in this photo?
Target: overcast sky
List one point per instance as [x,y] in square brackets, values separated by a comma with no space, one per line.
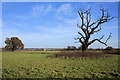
[53,25]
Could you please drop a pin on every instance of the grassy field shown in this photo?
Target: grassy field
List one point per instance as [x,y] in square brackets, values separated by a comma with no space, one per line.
[36,64]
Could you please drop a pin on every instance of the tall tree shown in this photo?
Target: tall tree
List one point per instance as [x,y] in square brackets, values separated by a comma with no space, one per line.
[89,28]
[13,43]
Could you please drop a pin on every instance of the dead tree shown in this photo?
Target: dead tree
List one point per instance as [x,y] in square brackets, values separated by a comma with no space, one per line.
[89,28]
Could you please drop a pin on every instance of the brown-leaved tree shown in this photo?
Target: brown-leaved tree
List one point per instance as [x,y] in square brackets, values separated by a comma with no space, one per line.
[88,28]
[13,43]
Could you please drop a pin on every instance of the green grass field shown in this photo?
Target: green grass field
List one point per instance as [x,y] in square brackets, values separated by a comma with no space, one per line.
[36,64]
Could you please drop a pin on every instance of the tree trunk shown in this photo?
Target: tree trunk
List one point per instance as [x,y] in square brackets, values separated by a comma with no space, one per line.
[84,47]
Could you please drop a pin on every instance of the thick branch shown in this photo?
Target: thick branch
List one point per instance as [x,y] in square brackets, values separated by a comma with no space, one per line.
[95,31]
[80,39]
[81,35]
[83,29]
[99,40]
[96,40]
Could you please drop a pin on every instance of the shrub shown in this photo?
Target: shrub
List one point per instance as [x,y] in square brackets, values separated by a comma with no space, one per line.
[71,48]
[68,47]
[109,48]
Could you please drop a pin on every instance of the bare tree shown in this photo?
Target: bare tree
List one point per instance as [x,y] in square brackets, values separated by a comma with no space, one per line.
[88,28]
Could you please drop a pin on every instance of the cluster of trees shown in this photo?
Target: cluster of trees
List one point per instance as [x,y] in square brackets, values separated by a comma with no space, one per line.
[13,43]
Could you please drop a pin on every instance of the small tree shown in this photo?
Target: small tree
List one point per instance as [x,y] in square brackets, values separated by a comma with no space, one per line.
[73,48]
[109,48]
[89,28]
[13,43]
[68,47]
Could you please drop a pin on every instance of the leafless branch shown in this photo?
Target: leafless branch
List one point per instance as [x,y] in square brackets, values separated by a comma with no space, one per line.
[108,38]
[100,40]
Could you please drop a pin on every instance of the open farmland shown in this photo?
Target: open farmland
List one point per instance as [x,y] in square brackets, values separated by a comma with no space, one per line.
[37,64]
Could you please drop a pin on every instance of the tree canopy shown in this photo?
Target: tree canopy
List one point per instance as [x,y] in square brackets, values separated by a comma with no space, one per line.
[13,43]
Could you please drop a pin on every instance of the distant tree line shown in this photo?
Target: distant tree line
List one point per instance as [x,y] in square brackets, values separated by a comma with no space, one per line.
[72,48]
[43,49]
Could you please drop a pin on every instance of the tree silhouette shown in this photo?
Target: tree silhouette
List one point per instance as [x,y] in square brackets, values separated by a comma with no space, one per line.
[89,28]
[13,43]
